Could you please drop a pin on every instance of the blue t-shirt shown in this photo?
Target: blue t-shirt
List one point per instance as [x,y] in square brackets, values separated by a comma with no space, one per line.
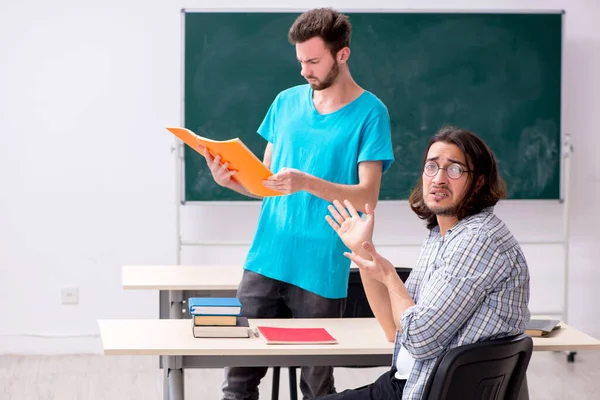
[293,241]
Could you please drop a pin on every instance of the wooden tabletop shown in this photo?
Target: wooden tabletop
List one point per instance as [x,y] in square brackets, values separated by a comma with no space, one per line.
[183,277]
[355,336]
[566,338]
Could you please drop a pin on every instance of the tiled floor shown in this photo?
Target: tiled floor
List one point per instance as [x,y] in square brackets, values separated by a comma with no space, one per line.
[96,377]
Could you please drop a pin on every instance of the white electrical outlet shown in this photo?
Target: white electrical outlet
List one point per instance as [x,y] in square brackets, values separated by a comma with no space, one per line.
[70,295]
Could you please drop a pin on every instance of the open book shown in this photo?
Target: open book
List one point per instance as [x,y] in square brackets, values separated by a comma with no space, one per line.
[250,170]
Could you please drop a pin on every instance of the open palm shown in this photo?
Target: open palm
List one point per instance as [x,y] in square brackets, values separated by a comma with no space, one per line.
[350,227]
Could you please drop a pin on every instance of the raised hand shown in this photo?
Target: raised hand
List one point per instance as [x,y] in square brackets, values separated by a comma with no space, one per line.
[220,172]
[378,267]
[350,227]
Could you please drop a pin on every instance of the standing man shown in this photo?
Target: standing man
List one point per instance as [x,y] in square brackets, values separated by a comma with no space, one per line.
[327,139]
[471,280]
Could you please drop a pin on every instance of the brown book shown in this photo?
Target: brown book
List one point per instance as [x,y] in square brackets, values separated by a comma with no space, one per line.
[214,320]
[239,330]
[541,327]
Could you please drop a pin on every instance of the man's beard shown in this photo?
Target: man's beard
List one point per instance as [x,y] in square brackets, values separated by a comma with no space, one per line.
[448,211]
[329,79]
[443,211]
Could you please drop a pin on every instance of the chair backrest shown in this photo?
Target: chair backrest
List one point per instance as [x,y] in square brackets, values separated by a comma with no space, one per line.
[357,305]
[487,370]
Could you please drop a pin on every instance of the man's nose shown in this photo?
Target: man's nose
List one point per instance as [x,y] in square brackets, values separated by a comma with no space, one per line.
[441,177]
[305,71]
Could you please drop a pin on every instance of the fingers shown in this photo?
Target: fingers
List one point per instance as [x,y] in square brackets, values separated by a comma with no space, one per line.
[335,214]
[275,185]
[351,208]
[215,163]
[341,209]
[225,172]
[370,249]
[280,175]
[224,167]
[332,223]
[207,155]
[359,261]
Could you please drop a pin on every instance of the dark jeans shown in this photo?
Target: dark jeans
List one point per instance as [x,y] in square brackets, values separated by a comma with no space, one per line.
[386,387]
[262,297]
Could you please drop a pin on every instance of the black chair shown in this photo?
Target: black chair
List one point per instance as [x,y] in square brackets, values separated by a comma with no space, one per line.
[357,306]
[488,370]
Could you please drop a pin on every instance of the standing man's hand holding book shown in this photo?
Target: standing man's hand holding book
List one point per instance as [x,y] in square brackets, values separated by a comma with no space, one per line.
[220,172]
[287,181]
[222,175]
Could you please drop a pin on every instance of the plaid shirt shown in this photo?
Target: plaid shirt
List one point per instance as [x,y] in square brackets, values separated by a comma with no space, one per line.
[469,286]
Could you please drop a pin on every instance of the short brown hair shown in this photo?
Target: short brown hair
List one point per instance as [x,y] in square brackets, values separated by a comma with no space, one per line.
[331,26]
[481,160]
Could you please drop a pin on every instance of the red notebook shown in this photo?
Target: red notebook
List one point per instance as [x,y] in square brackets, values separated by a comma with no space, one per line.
[273,335]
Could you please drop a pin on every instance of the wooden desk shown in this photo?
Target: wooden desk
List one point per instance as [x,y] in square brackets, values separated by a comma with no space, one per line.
[361,337]
[173,341]
[176,283]
[181,277]
[566,338]
[360,342]
[356,336]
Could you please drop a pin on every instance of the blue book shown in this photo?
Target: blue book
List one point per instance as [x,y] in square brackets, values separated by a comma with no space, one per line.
[214,306]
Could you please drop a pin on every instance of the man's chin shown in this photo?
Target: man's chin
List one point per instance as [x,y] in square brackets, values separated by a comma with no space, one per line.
[441,211]
[320,85]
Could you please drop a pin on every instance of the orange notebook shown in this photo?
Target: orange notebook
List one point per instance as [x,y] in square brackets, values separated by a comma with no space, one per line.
[250,170]
[273,335]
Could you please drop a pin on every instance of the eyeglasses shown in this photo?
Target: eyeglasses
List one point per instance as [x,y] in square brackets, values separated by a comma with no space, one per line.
[454,171]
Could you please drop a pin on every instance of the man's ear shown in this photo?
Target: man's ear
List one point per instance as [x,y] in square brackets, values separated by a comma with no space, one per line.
[480,182]
[343,55]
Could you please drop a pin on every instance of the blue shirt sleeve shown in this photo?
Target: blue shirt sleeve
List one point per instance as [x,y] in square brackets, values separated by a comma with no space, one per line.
[376,140]
[267,127]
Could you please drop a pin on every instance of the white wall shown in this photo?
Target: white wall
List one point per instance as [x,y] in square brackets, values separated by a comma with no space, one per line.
[88,183]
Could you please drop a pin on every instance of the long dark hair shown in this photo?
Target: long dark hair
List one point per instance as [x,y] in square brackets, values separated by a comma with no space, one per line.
[486,186]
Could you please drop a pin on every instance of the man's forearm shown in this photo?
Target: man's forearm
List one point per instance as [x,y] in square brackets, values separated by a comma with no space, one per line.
[358,195]
[388,300]
[238,187]
[400,299]
[379,301]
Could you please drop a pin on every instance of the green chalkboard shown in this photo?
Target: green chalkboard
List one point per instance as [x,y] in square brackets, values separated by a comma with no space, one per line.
[497,74]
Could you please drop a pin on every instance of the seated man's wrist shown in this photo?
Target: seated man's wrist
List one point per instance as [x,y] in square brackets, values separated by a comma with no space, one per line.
[362,252]
[393,282]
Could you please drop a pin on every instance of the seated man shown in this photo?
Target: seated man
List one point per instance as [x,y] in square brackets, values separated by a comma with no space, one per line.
[471,280]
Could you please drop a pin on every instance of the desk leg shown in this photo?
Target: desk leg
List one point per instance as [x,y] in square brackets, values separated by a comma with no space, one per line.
[524,392]
[175,380]
[176,304]
[165,378]
[173,365]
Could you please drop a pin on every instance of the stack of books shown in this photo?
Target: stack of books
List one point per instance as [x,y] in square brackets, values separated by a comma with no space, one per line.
[542,327]
[217,317]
